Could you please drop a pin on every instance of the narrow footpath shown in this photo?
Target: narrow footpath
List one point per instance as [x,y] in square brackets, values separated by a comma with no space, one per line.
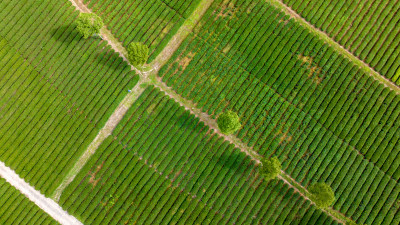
[150,77]
[47,204]
[324,36]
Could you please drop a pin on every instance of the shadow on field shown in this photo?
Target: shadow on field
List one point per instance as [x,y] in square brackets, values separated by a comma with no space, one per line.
[229,159]
[65,34]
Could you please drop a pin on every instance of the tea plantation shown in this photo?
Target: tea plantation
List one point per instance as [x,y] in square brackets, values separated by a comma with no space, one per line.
[309,87]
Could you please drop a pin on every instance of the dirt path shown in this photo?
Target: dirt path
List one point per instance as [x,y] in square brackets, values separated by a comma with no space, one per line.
[186,28]
[48,205]
[150,77]
[106,131]
[117,115]
[324,36]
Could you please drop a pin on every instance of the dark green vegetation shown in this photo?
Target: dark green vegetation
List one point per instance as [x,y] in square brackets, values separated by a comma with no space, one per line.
[162,165]
[271,168]
[295,97]
[138,53]
[298,99]
[369,29]
[18,209]
[57,89]
[228,122]
[88,24]
[322,194]
[152,22]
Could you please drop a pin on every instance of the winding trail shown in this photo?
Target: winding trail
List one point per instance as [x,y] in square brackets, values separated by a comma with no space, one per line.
[47,204]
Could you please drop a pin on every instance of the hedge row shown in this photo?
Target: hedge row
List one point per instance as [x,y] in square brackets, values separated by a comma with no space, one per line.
[297,98]
[151,22]
[18,209]
[162,165]
[369,29]
[57,90]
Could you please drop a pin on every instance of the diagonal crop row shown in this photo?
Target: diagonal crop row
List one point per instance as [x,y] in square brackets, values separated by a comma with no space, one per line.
[164,166]
[151,22]
[368,29]
[57,90]
[298,99]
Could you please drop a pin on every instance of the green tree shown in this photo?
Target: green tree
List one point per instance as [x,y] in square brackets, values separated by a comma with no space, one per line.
[138,53]
[228,122]
[322,194]
[271,168]
[88,24]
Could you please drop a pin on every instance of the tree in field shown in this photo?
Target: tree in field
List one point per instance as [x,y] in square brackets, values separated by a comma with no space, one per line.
[138,53]
[228,122]
[88,24]
[271,168]
[322,194]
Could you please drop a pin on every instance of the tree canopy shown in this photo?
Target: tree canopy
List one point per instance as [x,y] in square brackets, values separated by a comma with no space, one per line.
[228,122]
[322,194]
[138,53]
[271,168]
[88,24]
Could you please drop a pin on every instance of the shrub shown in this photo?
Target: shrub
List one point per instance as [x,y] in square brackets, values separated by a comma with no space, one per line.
[88,24]
[322,194]
[137,53]
[271,168]
[228,122]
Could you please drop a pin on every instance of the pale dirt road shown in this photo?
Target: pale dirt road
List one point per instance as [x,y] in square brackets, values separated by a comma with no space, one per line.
[48,205]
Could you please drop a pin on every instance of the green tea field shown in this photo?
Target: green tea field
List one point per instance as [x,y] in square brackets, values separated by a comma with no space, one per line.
[200,112]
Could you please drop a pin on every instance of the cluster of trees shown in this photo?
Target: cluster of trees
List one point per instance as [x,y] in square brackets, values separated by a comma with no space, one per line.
[321,193]
[89,24]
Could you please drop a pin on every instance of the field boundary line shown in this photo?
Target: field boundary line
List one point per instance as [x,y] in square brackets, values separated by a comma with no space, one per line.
[114,119]
[212,124]
[130,98]
[325,37]
[150,77]
[106,131]
[46,204]
[183,31]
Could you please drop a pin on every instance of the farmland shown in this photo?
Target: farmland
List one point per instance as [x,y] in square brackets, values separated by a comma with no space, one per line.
[17,209]
[57,90]
[298,99]
[118,142]
[369,29]
[151,22]
[141,175]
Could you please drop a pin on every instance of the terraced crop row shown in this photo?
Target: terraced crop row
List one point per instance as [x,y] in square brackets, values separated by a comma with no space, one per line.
[152,22]
[369,29]
[297,98]
[17,209]
[57,89]
[163,166]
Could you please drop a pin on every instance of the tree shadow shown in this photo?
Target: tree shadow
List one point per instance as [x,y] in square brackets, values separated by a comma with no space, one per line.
[65,34]
[229,159]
